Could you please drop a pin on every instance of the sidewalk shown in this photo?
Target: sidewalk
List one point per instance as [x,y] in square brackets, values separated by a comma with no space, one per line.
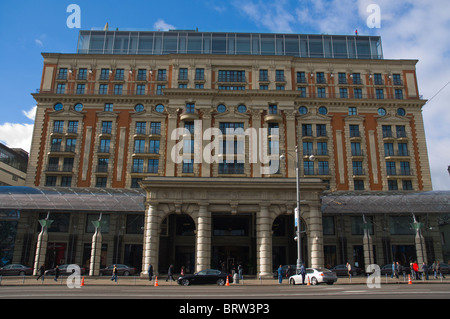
[143,281]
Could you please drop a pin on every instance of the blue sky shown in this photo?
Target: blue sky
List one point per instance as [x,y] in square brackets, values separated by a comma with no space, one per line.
[409,29]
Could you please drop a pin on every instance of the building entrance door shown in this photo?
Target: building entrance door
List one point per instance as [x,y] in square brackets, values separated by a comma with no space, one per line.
[228,258]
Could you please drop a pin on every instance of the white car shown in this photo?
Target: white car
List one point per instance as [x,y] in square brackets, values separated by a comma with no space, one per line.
[315,276]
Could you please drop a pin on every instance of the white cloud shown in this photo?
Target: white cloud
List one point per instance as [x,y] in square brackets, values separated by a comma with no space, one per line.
[31,114]
[163,26]
[39,42]
[16,135]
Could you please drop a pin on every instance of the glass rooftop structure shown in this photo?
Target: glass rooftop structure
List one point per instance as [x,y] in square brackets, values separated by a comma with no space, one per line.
[193,42]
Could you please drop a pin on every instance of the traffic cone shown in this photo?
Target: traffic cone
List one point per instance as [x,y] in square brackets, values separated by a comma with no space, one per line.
[409,280]
[309,283]
[82,282]
[228,282]
[156,281]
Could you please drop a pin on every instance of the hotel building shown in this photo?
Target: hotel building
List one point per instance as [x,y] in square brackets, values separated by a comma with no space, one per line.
[107,119]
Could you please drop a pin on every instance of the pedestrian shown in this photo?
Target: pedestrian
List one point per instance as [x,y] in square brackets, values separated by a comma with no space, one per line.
[241,272]
[280,274]
[393,269]
[56,273]
[416,270]
[397,269]
[114,274]
[182,272]
[41,273]
[349,270]
[150,272]
[303,273]
[411,267]
[425,270]
[170,273]
[438,267]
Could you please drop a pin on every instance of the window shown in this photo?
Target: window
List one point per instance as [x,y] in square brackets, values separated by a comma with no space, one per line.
[399,94]
[183,74]
[387,131]
[323,110]
[188,166]
[221,108]
[50,181]
[302,92]
[303,110]
[78,107]
[102,165]
[342,78]
[159,89]
[119,75]
[199,85]
[323,168]
[138,165]
[321,93]
[307,148]
[190,108]
[73,127]
[62,74]
[388,149]
[357,168]
[354,130]
[308,167]
[230,126]
[199,74]
[242,108]
[189,126]
[141,127]
[58,126]
[320,78]
[118,89]
[381,111]
[104,146]
[231,76]
[400,130]
[356,78]
[82,74]
[273,109]
[279,87]
[152,166]
[154,147]
[356,149]
[263,75]
[358,185]
[139,108]
[307,130]
[104,74]
[135,182]
[322,148]
[231,167]
[55,145]
[103,89]
[271,127]
[352,110]
[66,181]
[390,168]
[379,93]
[140,89]
[155,128]
[401,112]
[71,144]
[397,79]
[60,88]
[357,93]
[162,75]
[392,185]
[263,87]
[321,130]
[407,185]
[301,78]
[377,79]
[403,149]
[159,108]
[279,76]
[108,107]
[58,107]
[139,146]
[142,75]
[81,88]
[182,85]
[343,93]
[405,169]
[101,182]
[106,127]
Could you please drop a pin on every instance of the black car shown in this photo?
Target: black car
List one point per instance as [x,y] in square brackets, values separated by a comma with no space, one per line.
[16,270]
[207,276]
[122,270]
[341,270]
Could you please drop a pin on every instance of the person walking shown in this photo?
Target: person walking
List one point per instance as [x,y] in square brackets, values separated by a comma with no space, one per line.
[41,273]
[114,274]
[170,273]
[349,270]
[439,270]
[425,270]
[241,272]
[150,272]
[411,267]
[280,274]
[56,273]
[182,272]
[416,270]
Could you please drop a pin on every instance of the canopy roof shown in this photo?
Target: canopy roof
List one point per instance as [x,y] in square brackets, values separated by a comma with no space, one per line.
[72,199]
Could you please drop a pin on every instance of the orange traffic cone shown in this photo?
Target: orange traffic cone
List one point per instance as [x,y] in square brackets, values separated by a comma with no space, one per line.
[309,283]
[82,282]
[228,282]
[156,281]
[409,280]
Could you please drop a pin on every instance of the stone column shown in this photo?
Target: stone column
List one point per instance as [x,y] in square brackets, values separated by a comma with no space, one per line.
[420,243]
[96,249]
[203,243]
[264,242]
[315,237]
[367,244]
[150,252]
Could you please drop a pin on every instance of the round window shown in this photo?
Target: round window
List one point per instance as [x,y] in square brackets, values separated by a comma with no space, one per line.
[323,110]
[221,108]
[302,110]
[78,107]
[381,111]
[139,108]
[159,108]
[58,107]
[401,112]
[242,108]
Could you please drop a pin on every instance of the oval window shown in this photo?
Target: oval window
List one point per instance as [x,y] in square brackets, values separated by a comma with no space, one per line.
[78,107]
[381,111]
[139,108]
[221,108]
[159,108]
[401,112]
[58,107]
[302,110]
[323,110]
[242,108]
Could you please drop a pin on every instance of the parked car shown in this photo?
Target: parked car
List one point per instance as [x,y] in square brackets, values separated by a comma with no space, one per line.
[341,270]
[207,276]
[285,271]
[15,270]
[63,271]
[315,277]
[122,270]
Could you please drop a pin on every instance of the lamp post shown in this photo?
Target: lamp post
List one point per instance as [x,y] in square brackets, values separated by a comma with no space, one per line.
[297,209]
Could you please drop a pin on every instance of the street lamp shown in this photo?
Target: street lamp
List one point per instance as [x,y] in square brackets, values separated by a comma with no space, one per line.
[297,209]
